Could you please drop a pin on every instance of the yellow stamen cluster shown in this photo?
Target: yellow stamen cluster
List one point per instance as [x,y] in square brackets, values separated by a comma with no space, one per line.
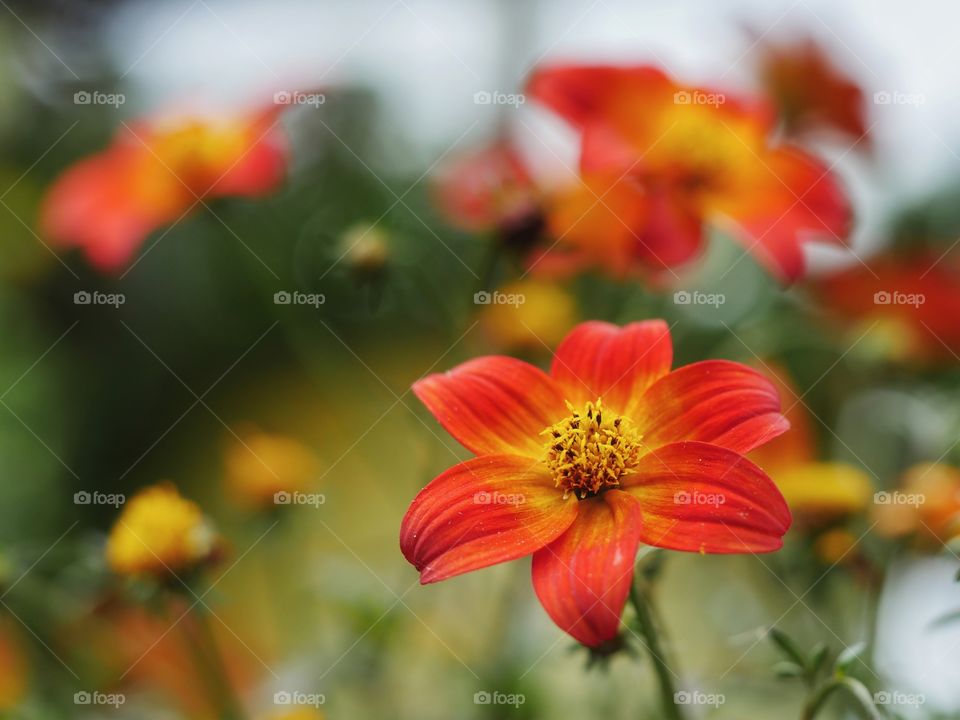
[591,450]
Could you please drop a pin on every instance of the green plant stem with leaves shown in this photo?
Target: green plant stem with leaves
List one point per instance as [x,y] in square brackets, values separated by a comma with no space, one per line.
[646,626]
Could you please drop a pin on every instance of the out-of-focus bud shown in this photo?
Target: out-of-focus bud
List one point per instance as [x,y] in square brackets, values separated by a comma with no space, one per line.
[260,465]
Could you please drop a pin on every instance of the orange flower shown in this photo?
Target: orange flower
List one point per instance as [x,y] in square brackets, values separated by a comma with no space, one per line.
[811,93]
[911,302]
[578,467]
[660,161]
[154,172]
[817,491]
[926,505]
[13,667]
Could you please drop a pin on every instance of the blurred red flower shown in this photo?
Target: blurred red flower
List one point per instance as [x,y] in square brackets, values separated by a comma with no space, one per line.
[154,172]
[811,93]
[906,304]
[659,161]
[490,189]
[578,467]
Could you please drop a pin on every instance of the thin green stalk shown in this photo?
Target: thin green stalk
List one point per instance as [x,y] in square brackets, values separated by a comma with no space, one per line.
[211,664]
[651,637]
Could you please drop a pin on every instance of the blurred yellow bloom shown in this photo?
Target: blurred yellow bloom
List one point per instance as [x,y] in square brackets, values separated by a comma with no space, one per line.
[528,315]
[927,504]
[13,669]
[159,532]
[260,464]
[835,545]
[824,489]
[300,713]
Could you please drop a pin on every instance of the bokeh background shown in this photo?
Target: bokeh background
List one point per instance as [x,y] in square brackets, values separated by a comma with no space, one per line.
[318,599]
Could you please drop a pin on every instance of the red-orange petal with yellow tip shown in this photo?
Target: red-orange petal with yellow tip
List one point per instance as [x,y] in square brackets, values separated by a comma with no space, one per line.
[716,401]
[484,511]
[583,577]
[797,199]
[584,93]
[602,360]
[494,404]
[259,166]
[699,497]
[108,202]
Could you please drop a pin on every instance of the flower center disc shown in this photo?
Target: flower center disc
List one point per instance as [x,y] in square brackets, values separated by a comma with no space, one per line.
[591,450]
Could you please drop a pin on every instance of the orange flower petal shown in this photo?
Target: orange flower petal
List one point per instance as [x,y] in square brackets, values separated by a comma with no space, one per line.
[796,199]
[703,498]
[583,577]
[601,360]
[494,404]
[715,401]
[481,512]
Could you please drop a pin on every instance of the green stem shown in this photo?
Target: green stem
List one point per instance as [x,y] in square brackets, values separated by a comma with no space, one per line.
[648,629]
[208,657]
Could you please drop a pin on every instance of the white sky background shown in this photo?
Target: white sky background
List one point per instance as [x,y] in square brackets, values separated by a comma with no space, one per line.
[426,58]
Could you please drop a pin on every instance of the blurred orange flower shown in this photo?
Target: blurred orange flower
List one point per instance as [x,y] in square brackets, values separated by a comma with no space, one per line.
[153,173]
[13,667]
[926,505]
[660,161]
[159,532]
[811,93]
[816,491]
[907,304]
[259,465]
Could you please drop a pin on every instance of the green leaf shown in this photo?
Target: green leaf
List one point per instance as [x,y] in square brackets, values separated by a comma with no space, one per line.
[861,697]
[787,645]
[787,669]
[849,656]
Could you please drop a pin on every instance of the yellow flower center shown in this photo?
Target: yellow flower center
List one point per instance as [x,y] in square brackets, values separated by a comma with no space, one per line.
[591,450]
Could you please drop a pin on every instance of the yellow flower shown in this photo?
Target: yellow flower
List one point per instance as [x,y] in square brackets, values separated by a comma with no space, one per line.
[301,713]
[824,489]
[528,315]
[260,464]
[159,532]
